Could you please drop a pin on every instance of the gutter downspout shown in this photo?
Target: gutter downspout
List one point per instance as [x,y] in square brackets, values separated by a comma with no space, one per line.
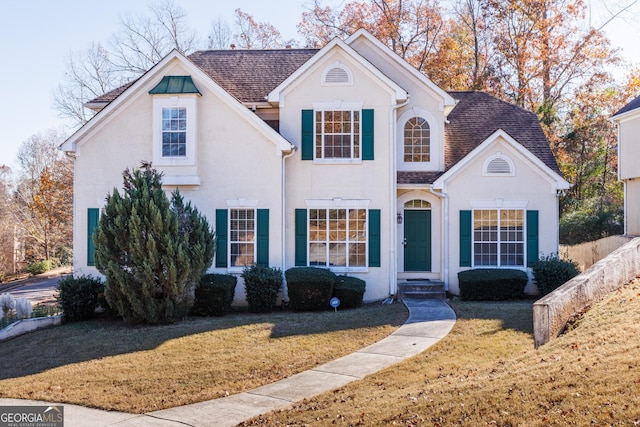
[285,290]
[445,259]
[393,197]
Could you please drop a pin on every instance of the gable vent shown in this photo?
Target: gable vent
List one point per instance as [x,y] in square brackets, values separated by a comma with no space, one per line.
[499,166]
[336,75]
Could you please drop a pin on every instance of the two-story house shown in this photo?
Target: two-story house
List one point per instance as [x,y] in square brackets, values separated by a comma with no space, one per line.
[628,121]
[344,157]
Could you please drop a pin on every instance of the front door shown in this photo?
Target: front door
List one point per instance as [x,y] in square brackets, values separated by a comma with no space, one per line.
[417,240]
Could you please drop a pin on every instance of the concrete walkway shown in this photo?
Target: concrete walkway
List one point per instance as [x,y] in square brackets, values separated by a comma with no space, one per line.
[429,321]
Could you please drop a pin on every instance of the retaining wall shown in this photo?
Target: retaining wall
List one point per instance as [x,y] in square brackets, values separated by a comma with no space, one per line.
[551,313]
[22,327]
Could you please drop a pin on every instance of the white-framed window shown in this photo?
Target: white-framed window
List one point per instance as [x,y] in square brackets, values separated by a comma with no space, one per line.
[417,140]
[499,237]
[174,130]
[337,134]
[242,237]
[337,237]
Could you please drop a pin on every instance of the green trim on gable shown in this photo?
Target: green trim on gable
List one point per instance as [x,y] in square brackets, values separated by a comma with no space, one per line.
[465,239]
[307,134]
[262,237]
[301,238]
[175,84]
[93,215]
[374,238]
[367,134]
[532,237]
[222,227]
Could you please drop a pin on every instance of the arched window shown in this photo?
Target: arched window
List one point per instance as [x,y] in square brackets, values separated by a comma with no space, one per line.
[417,140]
[417,204]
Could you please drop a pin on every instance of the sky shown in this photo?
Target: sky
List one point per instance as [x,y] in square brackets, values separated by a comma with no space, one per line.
[36,36]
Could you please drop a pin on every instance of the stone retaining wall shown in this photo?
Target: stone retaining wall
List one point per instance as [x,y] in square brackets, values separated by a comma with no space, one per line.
[22,327]
[551,312]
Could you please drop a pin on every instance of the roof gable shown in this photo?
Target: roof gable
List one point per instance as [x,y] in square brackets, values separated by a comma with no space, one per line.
[500,134]
[275,96]
[140,86]
[363,36]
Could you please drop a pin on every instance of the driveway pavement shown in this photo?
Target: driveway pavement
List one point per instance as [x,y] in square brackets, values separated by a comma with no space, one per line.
[37,289]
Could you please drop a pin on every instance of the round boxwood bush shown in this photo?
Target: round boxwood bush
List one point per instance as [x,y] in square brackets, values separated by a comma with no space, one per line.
[262,285]
[550,272]
[78,297]
[214,295]
[349,290]
[310,288]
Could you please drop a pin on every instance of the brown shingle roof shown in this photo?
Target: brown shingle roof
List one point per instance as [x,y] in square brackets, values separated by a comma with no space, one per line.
[477,115]
[250,75]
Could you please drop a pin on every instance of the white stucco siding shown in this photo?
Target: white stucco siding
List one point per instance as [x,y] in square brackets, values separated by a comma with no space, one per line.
[629,149]
[369,181]
[528,189]
[632,207]
[236,162]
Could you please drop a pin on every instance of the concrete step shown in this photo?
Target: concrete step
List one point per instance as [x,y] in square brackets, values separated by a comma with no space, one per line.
[421,289]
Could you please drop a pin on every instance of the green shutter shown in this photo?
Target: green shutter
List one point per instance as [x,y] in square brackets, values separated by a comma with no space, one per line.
[367,134]
[307,134]
[374,237]
[222,227]
[465,239]
[262,241]
[532,237]
[301,238]
[92,222]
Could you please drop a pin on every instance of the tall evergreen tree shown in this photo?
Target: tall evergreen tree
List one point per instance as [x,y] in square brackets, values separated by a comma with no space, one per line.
[144,251]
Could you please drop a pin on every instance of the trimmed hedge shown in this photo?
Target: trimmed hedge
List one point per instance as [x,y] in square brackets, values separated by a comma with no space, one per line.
[310,288]
[350,291]
[215,295]
[78,297]
[492,284]
[262,285]
[550,272]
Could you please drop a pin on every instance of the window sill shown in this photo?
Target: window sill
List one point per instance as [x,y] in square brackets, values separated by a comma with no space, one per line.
[337,161]
[181,180]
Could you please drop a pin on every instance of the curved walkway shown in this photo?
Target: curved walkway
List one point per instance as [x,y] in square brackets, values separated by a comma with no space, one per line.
[428,322]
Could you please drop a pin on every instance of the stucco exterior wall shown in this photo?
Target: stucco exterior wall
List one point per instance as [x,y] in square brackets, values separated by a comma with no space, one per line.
[533,190]
[366,180]
[226,170]
[629,149]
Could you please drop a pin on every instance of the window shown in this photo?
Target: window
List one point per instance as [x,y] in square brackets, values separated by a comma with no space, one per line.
[338,237]
[337,134]
[242,233]
[337,74]
[498,165]
[174,132]
[498,237]
[417,140]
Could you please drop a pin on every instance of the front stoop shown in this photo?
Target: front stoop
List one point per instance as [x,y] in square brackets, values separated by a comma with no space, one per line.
[421,289]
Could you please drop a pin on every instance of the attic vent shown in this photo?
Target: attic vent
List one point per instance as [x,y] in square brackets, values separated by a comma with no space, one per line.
[337,74]
[499,165]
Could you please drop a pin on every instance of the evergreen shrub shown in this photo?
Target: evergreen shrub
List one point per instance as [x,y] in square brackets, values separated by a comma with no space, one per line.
[350,290]
[551,272]
[215,295]
[39,267]
[78,297]
[492,284]
[262,285]
[310,288]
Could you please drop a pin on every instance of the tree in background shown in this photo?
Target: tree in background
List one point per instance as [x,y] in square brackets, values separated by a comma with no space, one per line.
[43,202]
[152,254]
[8,226]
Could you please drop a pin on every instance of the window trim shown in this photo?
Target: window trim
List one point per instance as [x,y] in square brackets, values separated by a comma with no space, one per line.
[172,101]
[499,241]
[434,141]
[230,241]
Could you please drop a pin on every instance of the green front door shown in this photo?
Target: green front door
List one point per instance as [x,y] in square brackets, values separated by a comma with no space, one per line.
[417,240]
